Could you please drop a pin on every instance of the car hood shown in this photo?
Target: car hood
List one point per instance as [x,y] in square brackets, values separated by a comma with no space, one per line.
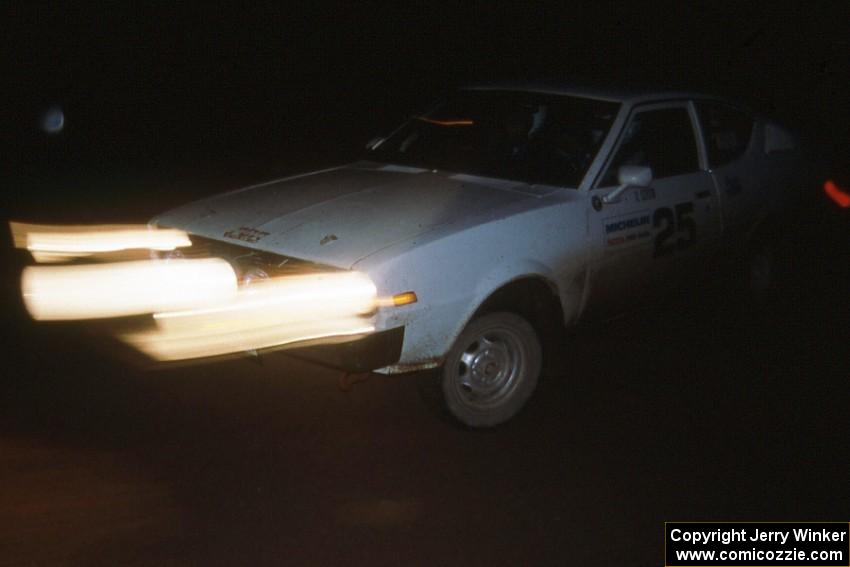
[342,215]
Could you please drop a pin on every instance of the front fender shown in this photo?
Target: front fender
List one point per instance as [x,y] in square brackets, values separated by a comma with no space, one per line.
[431,329]
[453,272]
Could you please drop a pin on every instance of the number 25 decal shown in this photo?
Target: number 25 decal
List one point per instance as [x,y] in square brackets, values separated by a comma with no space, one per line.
[670,224]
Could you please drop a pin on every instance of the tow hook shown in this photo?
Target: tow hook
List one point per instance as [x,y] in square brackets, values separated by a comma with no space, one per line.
[348,379]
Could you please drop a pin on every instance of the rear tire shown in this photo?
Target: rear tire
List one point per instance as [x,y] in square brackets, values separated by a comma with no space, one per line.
[760,276]
[765,271]
[492,369]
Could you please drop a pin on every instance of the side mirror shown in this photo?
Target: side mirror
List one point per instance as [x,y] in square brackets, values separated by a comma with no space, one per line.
[629,176]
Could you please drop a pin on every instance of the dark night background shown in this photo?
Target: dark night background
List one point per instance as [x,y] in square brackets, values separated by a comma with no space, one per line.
[703,413]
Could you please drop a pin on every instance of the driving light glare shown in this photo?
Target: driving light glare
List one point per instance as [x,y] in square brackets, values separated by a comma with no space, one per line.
[198,308]
[49,243]
[268,313]
[96,291]
[834,192]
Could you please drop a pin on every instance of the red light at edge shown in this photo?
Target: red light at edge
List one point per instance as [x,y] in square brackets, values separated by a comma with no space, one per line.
[834,192]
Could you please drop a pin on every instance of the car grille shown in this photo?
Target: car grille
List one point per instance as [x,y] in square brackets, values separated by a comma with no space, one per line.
[245,260]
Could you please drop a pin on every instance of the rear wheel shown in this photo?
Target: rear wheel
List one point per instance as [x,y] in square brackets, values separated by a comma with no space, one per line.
[759,274]
[765,272]
[492,369]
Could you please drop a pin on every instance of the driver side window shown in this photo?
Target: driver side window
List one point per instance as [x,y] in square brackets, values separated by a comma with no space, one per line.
[661,139]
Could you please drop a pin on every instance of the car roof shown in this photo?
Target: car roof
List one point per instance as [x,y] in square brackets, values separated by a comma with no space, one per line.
[634,95]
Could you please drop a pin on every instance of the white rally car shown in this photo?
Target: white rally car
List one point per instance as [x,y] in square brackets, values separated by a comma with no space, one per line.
[507,210]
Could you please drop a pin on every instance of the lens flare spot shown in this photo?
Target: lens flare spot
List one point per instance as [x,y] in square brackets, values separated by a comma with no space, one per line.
[53,120]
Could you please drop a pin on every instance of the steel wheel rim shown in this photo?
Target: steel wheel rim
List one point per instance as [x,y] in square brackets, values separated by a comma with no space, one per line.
[489,368]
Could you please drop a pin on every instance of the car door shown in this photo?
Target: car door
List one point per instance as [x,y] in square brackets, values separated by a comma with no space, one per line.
[728,135]
[651,235]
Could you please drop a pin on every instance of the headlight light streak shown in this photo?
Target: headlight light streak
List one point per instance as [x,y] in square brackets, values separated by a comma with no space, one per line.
[267,314]
[97,291]
[199,310]
[55,243]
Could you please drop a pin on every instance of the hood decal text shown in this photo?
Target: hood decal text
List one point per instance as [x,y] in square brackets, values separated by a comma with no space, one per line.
[246,234]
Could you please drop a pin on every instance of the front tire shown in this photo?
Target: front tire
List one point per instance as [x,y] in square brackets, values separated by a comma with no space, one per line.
[492,369]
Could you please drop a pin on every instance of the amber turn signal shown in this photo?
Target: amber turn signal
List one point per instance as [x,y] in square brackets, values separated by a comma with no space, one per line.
[399,299]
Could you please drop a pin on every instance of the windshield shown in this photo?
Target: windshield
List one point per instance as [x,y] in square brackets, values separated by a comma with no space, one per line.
[530,137]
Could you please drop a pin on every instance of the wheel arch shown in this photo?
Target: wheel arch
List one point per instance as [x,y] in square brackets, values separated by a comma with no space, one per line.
[533,297]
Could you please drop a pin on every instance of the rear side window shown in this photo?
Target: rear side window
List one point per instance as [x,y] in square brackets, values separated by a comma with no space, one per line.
[727,132]
[662,139]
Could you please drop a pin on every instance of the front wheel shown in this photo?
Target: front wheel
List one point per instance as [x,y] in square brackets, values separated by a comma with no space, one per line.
[492,369]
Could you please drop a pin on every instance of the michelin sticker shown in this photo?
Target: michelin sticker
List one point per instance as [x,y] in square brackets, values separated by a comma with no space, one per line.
[628,229]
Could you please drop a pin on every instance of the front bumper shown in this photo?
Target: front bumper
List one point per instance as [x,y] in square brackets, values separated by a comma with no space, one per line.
[373,351]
